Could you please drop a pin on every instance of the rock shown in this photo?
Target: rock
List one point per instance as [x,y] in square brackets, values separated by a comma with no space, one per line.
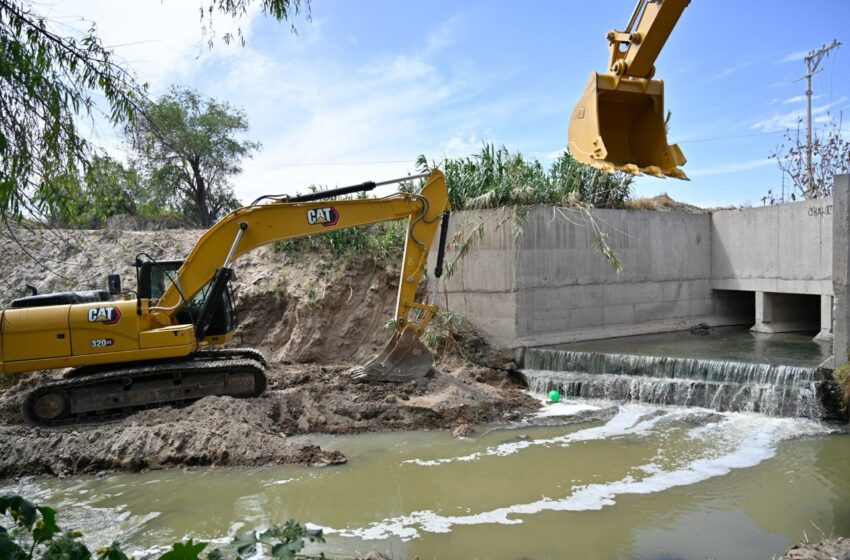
[701,329]
[700,418]
[372,555]
[828,549]
[462,430]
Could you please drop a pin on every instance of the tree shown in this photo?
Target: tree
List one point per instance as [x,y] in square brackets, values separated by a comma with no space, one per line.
[188,148]
[49,82]
[830,156]
[106,189]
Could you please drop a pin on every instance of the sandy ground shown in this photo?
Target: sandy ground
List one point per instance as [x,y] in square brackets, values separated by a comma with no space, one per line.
[302,399]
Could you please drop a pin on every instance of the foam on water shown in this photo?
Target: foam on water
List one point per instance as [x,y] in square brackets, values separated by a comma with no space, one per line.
[562,408]
[630,419]
[736,441]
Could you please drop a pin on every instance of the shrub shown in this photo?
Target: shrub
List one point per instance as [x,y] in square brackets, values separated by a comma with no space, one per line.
[35,535]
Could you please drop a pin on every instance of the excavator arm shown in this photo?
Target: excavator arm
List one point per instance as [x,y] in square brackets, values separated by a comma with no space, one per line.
[404,357]
[633,51]
[619,122]
[250,227]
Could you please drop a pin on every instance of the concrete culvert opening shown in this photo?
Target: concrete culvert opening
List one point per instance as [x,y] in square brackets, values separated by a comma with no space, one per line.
[735,307]
[782,313]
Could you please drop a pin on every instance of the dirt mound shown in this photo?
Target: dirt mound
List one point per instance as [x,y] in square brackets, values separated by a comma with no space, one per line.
[222,431]
[662,203]
[213,431]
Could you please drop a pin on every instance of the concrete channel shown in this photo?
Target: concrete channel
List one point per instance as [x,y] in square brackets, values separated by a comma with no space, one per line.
[540,281]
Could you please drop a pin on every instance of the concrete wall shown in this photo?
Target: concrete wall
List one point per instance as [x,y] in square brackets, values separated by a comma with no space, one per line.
[481,284]
[785,248]
[567,291]
[550,285]
[841,270]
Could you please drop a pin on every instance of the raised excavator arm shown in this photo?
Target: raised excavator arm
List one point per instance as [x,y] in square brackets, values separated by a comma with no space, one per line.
[619,122]
[248,228]
[158,347]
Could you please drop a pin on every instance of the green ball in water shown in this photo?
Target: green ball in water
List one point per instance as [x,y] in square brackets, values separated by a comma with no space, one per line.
[554,396]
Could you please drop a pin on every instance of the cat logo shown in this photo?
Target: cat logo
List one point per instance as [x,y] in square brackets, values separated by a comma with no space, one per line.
[325,216]
[105,315]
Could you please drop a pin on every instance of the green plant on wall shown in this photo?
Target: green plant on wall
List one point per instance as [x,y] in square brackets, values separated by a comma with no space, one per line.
[842,376]
[497,178]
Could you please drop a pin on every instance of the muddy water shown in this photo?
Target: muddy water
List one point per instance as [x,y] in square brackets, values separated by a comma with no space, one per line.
[649,483]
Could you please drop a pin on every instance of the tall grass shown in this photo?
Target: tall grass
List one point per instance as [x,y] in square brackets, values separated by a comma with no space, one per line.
[496,177]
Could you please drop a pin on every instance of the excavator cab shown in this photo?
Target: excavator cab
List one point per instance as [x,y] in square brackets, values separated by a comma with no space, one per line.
[154,277]
[619,124]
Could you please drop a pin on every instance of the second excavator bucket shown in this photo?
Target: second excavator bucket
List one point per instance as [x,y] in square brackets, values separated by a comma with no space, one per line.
[404,358]
[618,125]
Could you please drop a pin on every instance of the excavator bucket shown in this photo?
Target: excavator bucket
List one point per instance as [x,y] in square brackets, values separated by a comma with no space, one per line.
[404,358]
[618,125]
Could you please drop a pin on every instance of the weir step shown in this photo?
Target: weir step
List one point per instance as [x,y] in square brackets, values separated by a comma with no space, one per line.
[775,390]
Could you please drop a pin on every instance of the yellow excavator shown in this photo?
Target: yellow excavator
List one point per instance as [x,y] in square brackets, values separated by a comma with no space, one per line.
[619,123]
[157,345]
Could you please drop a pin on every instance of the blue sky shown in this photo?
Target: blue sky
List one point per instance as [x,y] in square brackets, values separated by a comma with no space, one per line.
[367,86]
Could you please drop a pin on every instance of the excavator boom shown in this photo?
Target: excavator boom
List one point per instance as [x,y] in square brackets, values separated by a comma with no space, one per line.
[619,123]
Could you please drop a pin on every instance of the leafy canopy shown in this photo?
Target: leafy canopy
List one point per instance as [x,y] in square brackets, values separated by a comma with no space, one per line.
[187,149]
[50,82]
[47,81]
[106,189]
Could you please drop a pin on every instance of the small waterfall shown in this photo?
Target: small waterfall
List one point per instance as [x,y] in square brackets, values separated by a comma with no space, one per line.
[774,390]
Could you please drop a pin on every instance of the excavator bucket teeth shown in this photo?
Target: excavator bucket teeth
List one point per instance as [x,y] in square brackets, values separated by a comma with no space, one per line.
[404,358]
[618,124]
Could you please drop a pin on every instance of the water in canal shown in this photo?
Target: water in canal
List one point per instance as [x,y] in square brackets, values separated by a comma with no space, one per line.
[645,482]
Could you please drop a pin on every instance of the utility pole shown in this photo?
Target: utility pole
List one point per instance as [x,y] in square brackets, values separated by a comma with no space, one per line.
[813,60]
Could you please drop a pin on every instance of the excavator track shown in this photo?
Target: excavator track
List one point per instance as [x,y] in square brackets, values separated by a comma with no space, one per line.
[105,395]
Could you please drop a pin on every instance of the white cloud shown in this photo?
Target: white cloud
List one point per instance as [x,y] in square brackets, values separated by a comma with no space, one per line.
[732,70]
[783,121]
[328,123]
[320,121]
[800,98]
[160,41]
[793,56]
